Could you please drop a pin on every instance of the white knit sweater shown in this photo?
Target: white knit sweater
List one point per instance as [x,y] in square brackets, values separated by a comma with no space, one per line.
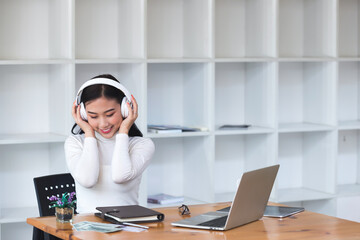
[107,172]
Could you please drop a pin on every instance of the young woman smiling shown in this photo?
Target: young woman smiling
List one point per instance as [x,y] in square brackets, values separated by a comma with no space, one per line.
[107,154]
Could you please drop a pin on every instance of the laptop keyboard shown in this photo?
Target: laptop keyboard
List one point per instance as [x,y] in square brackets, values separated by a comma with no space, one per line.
[218,222]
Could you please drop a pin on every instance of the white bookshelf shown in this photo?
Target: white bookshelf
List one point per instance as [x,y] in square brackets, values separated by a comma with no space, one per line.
[290,68]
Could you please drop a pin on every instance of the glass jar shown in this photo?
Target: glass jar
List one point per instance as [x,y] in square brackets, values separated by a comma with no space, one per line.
[64,215]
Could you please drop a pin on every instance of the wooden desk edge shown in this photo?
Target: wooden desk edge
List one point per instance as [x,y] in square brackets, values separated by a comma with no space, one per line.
[332,227]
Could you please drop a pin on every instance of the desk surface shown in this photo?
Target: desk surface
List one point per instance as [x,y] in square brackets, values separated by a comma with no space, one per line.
[305,225]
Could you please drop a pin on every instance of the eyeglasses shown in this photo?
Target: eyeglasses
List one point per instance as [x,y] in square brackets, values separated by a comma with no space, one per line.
[184,210]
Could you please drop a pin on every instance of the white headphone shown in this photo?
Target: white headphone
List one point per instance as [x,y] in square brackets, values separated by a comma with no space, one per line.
[106,81]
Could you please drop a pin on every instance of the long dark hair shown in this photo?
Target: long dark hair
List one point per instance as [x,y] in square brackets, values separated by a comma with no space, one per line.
[102,90]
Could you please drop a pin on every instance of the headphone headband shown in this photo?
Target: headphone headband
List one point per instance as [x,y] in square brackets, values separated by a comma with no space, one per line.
[105,81]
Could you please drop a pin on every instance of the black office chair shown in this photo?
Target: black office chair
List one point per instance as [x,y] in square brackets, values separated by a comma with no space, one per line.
[45,187]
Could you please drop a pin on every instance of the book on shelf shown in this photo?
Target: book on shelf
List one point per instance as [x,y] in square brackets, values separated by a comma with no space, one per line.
[171,129]
[163,198]
[163,129]
[234,126]
[129,213]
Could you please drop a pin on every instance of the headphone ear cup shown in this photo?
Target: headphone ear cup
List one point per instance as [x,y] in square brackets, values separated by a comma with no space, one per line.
[124,108]
[83,112]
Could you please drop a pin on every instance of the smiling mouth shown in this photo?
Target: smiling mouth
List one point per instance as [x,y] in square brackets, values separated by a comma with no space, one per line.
[105,131]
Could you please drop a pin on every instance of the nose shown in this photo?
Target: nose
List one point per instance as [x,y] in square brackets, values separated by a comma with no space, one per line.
[103,123]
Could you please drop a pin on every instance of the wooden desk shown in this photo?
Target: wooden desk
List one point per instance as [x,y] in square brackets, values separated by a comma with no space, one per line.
[305,225]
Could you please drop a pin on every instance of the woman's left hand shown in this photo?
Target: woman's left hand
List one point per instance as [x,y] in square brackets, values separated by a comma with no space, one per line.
[129,121]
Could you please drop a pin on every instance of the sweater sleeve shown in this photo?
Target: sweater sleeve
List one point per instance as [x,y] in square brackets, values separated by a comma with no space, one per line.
[130,158]
[82,160]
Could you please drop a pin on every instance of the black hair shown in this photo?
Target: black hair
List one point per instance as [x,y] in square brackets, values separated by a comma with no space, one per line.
[96,91]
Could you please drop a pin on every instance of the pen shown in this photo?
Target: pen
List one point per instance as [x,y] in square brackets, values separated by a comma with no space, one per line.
[135,225]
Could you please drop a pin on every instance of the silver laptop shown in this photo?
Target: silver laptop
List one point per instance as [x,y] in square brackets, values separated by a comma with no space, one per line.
[248,205]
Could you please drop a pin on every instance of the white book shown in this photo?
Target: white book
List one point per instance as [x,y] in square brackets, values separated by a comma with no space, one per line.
[164,130]
[163,198]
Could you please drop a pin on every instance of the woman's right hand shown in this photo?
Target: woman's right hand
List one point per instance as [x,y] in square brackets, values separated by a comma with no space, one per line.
[84,125]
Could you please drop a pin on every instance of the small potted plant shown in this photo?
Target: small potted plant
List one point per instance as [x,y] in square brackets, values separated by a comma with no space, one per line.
[64,207]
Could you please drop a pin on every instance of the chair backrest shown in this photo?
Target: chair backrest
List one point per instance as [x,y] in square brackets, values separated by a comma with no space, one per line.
[47,186]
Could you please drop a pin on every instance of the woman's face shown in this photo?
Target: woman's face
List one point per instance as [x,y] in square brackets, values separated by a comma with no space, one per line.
[104,116]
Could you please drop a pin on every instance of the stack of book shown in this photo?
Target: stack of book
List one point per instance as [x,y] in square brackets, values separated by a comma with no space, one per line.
[170,129]
[162,198]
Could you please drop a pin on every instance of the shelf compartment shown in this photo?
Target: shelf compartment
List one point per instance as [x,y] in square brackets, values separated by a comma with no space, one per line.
[301,194]
[348,95]
[31,138]
[307,166]
[32,98]
[225,197]
[178,60]
[307,28]
[35,61]
[348,162]
[348,190]
[183,172]
[348,208]
[182,134]
[349,125]
[18,215]
[187,201]
[178,29]
[109,61]
[245,28]
[348,32]
[307,94]
[19,230]
[19,164]
[109,29]
[303,127]
[178,94]
[36,35]
[250,130]
[237,154]
[245,94]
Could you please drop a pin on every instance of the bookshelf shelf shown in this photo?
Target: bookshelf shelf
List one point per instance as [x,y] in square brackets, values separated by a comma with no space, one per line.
[301,194]
[31,138]
[18,215]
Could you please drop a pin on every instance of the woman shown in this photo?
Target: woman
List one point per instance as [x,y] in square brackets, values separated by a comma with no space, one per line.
[108,155]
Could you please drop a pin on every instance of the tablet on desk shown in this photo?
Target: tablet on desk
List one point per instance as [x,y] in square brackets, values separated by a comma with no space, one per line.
[281,212]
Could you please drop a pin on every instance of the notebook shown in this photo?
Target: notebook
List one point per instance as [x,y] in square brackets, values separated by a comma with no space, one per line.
[130,213]
[248,205]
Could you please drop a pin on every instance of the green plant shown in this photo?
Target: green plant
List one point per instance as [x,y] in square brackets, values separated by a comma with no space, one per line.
[67,200]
